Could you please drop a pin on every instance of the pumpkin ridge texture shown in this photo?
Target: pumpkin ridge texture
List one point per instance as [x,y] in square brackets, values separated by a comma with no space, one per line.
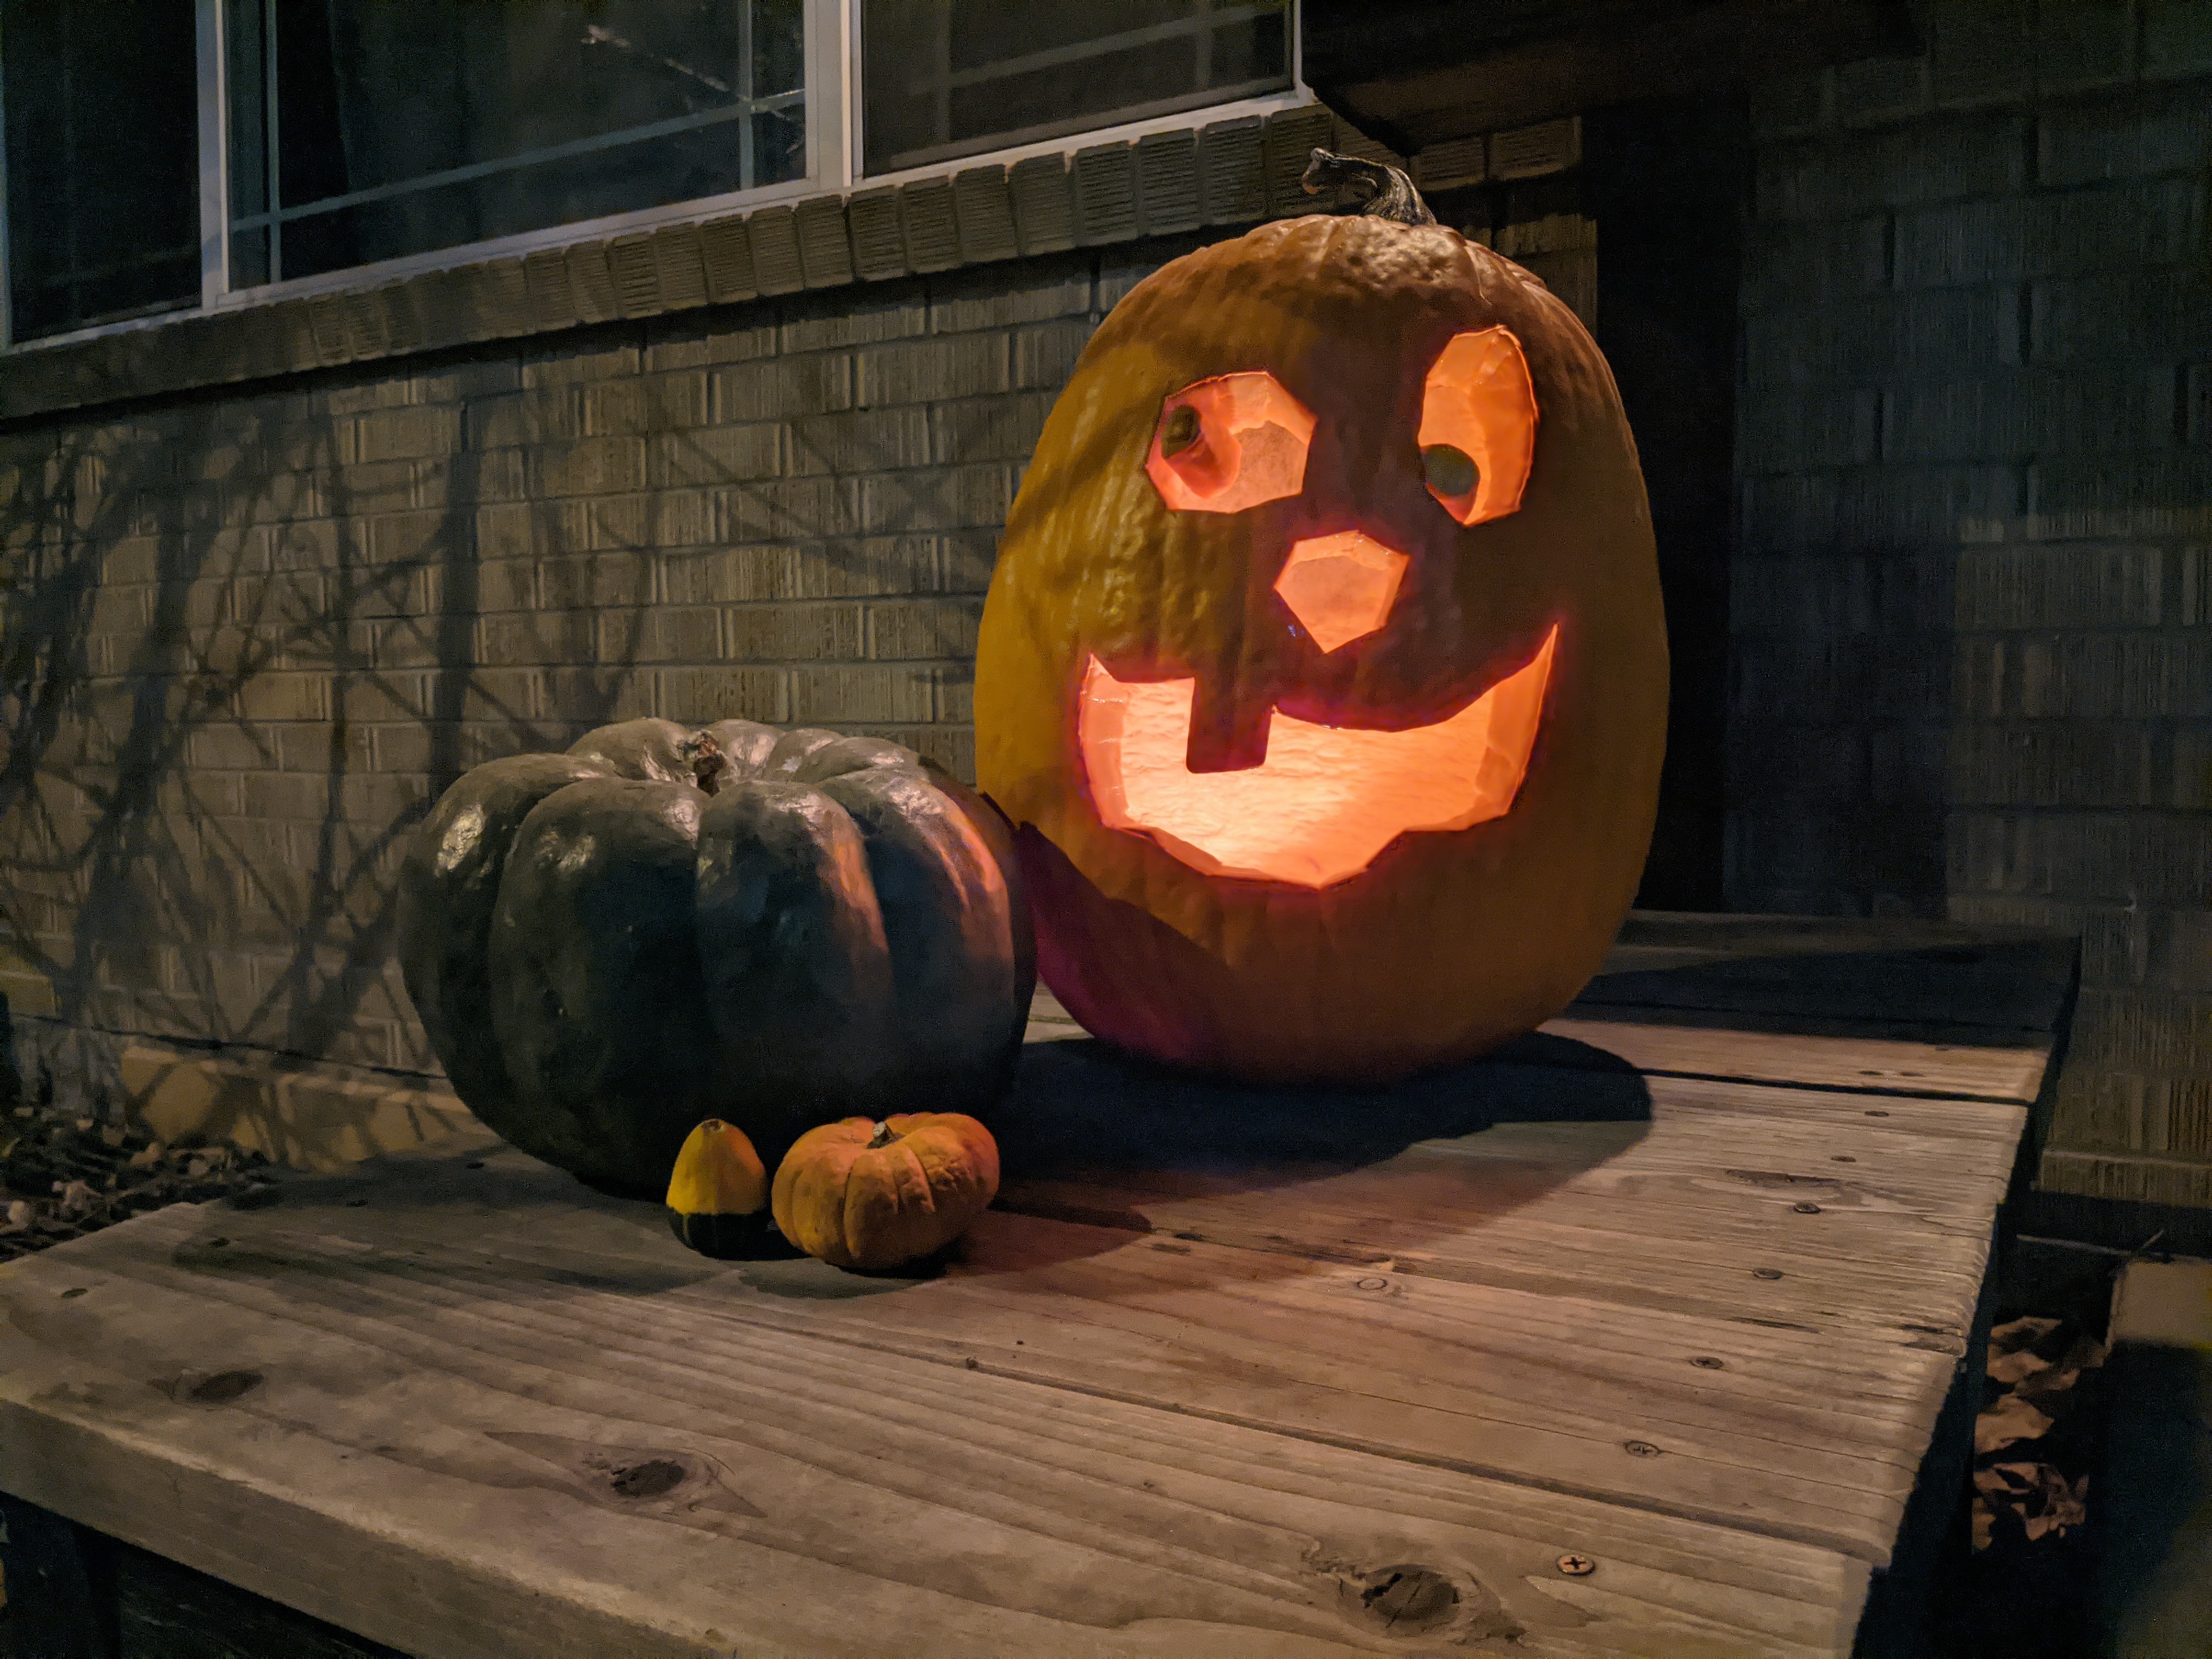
[671,924]
[867,1194]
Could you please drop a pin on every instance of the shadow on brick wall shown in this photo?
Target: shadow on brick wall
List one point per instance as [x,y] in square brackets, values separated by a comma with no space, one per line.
[238,664]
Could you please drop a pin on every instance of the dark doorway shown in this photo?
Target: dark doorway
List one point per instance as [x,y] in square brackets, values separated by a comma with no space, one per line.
[1665,181]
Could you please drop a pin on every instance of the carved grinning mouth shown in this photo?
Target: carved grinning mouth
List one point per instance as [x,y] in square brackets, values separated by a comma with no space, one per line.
[1326,800]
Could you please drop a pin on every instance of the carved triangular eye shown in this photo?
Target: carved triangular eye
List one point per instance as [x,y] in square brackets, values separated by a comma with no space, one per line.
[1228,443]
[1478,432]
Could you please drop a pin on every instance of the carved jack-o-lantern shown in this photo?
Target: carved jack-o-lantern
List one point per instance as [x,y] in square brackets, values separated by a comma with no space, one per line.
[1323,673]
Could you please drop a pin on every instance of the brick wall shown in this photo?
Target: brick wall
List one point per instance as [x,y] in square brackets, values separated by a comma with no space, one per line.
[254,633]
[1973,597]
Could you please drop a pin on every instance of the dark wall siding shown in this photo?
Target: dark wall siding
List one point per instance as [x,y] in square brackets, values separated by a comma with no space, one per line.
[1973,658]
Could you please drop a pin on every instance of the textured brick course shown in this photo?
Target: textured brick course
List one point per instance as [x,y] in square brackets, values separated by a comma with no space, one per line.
[652,403]
[2068,586]
[794,633]
[1940,159]
[1887,336]
[2105,226]
[860,441]
[937,498]
[924,629]
[2121,138]
[953,365]
[2177,38]
[2125,406]
[766,391]
[714,455]
[845,696]
[727,692]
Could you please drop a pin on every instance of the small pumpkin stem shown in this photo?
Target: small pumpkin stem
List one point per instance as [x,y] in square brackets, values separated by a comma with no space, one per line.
[1390,193]
[883,1137]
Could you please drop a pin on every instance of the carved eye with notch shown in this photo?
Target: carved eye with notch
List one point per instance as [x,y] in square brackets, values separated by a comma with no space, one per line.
[1478,432]
[1228,443]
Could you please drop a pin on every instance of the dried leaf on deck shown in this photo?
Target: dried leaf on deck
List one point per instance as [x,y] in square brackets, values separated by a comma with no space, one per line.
[2052,1388]
[2017,1336]
[2045,1501]
[2015,1367]
[2005,1420]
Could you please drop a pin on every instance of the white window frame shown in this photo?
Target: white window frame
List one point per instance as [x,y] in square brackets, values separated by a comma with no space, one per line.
[833,149]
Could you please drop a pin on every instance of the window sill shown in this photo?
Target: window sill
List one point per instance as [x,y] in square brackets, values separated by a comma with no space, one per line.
[1232,172]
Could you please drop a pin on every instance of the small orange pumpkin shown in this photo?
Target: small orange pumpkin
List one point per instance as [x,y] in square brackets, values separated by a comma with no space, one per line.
[869,1194]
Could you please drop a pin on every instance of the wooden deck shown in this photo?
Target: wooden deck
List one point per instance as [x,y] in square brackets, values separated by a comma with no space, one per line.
[1628,1341]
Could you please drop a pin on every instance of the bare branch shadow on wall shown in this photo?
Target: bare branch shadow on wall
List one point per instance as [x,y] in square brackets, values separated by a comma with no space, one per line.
[239,662]
[235,669]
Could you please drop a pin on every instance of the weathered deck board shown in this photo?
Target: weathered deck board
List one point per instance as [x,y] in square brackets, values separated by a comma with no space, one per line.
[1957,1064]
[1925,972]
[1675,1290]
[1461,1375]
[433,1453]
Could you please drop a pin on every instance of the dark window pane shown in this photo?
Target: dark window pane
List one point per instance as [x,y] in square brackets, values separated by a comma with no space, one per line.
[246,51]
[311,157]
[548,114]
[103,160]
[779,145]
[648,173]
[249,257]
[943,78]
[778,46]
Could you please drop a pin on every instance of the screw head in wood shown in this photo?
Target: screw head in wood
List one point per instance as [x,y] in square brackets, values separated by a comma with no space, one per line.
[1577,1566]
[1639,1449]
[1767,1273]
[1805,1209]
[1705,1361]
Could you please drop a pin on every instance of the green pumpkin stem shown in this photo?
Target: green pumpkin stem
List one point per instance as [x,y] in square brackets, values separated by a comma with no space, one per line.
[708,762]
[1390,193]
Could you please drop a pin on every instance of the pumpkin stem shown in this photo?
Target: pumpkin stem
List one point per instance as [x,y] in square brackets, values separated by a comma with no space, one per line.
[1390,193]
[707,760]
[883,1137]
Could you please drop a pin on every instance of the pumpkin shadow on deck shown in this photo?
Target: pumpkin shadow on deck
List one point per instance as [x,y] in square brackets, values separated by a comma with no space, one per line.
[1090,1136]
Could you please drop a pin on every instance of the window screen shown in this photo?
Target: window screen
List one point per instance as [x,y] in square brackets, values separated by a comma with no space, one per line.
[364,130]
[103,160]
[942,78]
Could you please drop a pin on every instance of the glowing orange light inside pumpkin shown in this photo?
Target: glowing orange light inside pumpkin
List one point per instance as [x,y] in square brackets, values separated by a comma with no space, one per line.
[1479,400]
[1341,587]
[1228,443]
[1325,800]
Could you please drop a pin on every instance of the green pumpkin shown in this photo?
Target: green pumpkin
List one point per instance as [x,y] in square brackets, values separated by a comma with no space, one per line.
[777,929]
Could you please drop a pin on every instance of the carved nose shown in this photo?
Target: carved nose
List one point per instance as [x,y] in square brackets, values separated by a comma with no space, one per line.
[1341,587]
